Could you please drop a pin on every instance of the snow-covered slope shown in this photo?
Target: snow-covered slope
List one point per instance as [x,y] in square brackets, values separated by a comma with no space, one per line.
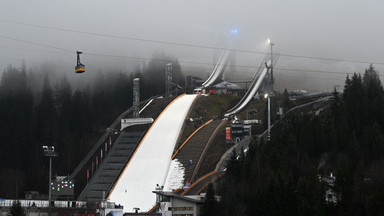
[150,163]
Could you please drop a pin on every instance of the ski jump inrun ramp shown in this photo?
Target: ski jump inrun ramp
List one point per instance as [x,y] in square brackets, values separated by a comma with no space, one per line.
[150,163]
[217,71]
[257,81]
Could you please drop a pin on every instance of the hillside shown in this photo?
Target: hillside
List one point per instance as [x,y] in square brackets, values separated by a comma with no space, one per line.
[287,175]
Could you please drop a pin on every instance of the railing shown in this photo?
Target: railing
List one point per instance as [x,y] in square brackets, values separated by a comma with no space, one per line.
[103,139]
[202,156]
[245,142]
[43,203]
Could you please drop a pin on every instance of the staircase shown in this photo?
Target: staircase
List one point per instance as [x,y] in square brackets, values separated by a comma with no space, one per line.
[110,168]
[194,148]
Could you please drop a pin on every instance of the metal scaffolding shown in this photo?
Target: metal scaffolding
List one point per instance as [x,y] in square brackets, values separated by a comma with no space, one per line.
[136,97]
[168,79]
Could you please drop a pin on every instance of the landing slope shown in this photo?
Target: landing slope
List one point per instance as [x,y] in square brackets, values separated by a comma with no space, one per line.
[150,163]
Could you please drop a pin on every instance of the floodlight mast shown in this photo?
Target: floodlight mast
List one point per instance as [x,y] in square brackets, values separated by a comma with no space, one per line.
[270,90]
[272,81]
[49,151]
[268,97]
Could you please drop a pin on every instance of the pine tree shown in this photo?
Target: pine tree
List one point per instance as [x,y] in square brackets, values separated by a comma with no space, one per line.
[373,97]
[46,115]
[16,209]
[210,204]
[286,100]
[154,74]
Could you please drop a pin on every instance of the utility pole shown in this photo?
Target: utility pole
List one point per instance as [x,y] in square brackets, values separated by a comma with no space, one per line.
[49,151]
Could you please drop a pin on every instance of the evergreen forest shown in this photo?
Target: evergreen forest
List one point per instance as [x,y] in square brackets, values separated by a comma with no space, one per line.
[283,175]
[37,110]
[279,176]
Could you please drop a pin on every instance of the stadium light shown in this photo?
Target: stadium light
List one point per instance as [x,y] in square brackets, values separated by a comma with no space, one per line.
[49,151]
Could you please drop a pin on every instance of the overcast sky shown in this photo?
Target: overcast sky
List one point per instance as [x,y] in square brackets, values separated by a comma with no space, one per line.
[344,29]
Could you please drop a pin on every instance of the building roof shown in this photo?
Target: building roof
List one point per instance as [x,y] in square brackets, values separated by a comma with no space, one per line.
[226,85]
[170,194]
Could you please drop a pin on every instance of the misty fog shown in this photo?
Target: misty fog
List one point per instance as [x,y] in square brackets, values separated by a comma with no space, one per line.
[122,36]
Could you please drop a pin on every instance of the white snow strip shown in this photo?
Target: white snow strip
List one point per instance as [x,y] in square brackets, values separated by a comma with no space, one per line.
[175,178]
[217,70]
[149,165]
[149,102]
[250,93]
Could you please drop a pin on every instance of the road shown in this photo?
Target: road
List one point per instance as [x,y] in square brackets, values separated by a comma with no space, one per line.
[244,144]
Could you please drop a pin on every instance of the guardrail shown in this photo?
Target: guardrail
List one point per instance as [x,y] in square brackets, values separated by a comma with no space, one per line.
[245,142]
[43,203]
[102,139]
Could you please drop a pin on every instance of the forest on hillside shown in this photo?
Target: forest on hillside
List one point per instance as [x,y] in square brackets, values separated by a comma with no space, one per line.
[283,176]
[37,110]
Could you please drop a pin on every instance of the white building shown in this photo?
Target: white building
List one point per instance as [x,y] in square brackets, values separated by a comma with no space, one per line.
[173,204]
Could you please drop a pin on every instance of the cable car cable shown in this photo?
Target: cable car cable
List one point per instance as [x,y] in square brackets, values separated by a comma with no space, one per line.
[35,43]
[186,62]
[189,45]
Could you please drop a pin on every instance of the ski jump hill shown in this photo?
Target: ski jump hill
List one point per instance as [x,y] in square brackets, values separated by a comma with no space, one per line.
[150,163]
[256,83]
[137,163]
